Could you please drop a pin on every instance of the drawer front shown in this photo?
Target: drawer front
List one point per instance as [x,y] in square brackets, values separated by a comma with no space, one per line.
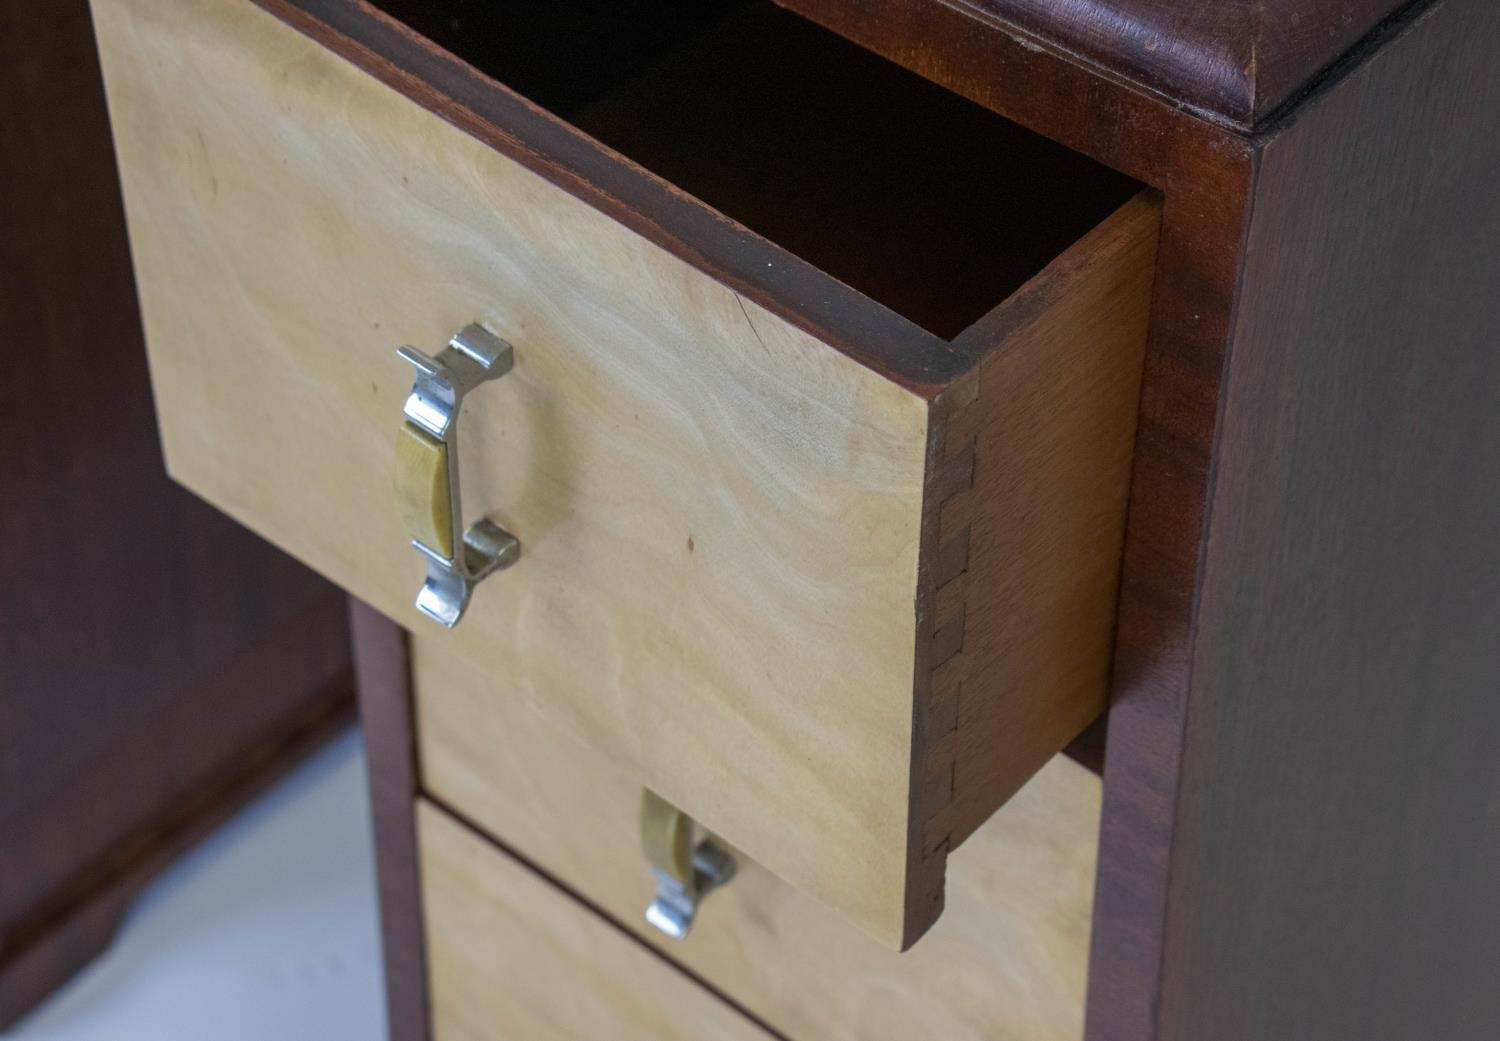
[698,487]
[836,613]
[510,956]
[1008,960]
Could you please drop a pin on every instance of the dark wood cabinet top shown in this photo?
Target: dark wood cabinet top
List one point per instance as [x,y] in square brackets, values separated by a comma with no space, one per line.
[1235,60]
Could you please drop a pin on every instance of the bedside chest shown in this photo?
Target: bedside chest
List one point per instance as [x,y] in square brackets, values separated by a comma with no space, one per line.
[865,405]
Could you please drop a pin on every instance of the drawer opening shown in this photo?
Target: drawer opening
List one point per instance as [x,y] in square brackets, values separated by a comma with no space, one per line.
[920,199]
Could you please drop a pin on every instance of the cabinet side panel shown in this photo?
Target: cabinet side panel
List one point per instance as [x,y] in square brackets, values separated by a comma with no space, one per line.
[1337,846]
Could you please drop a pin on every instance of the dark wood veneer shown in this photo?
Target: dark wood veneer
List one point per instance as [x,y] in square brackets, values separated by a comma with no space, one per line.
[1206,173]
[382,669]
[1335,868]
[67,927]
[1233,60]
[158,663]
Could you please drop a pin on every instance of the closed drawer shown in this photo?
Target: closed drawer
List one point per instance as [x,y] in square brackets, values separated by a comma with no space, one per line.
[510,956]
[832,568]
[1007,960]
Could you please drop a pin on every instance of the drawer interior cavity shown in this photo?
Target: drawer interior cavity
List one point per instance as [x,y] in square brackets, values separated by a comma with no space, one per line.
[920,199]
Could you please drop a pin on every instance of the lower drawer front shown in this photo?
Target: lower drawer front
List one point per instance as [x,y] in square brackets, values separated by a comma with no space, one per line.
[1009,960]
[510,956]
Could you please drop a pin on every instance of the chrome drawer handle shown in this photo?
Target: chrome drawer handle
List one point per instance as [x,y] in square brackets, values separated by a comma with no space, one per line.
[685,873]
[427,473]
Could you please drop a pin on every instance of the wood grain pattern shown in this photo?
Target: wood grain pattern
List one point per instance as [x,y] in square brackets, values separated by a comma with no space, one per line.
[1337,834]
[1208,177]
[785,284]
[1231,60]
[1206,171]
[700,487]
[1007,960]
[509,953]
[766,488]
[1062,356]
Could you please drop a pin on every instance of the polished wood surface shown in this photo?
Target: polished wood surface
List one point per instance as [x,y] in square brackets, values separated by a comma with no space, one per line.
[1048,197]
[1203,166]
[1233,61]
[1205,172]
[1337,829]
[158,664]
[783,283]
[1208,173]
[1007,960]
[513,957]
[678,572]
[688,475]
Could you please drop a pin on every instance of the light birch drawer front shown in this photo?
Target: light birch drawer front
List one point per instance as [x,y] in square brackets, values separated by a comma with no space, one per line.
[1007,961]
[510,956]
[833,583]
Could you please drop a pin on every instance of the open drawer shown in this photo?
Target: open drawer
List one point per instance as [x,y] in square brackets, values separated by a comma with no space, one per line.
[819,540]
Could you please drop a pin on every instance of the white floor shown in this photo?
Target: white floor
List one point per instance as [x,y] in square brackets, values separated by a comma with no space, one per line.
[266,931]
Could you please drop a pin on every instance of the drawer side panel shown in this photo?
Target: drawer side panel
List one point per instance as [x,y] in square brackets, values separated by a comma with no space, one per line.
[1033,471]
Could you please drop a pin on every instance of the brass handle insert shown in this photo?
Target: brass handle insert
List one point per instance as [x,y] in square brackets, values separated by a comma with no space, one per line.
[685,873]
[427,473]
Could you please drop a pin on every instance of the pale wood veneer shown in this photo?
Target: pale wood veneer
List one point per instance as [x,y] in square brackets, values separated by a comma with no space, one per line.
[1006,963]
[837,616]
[509,956]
